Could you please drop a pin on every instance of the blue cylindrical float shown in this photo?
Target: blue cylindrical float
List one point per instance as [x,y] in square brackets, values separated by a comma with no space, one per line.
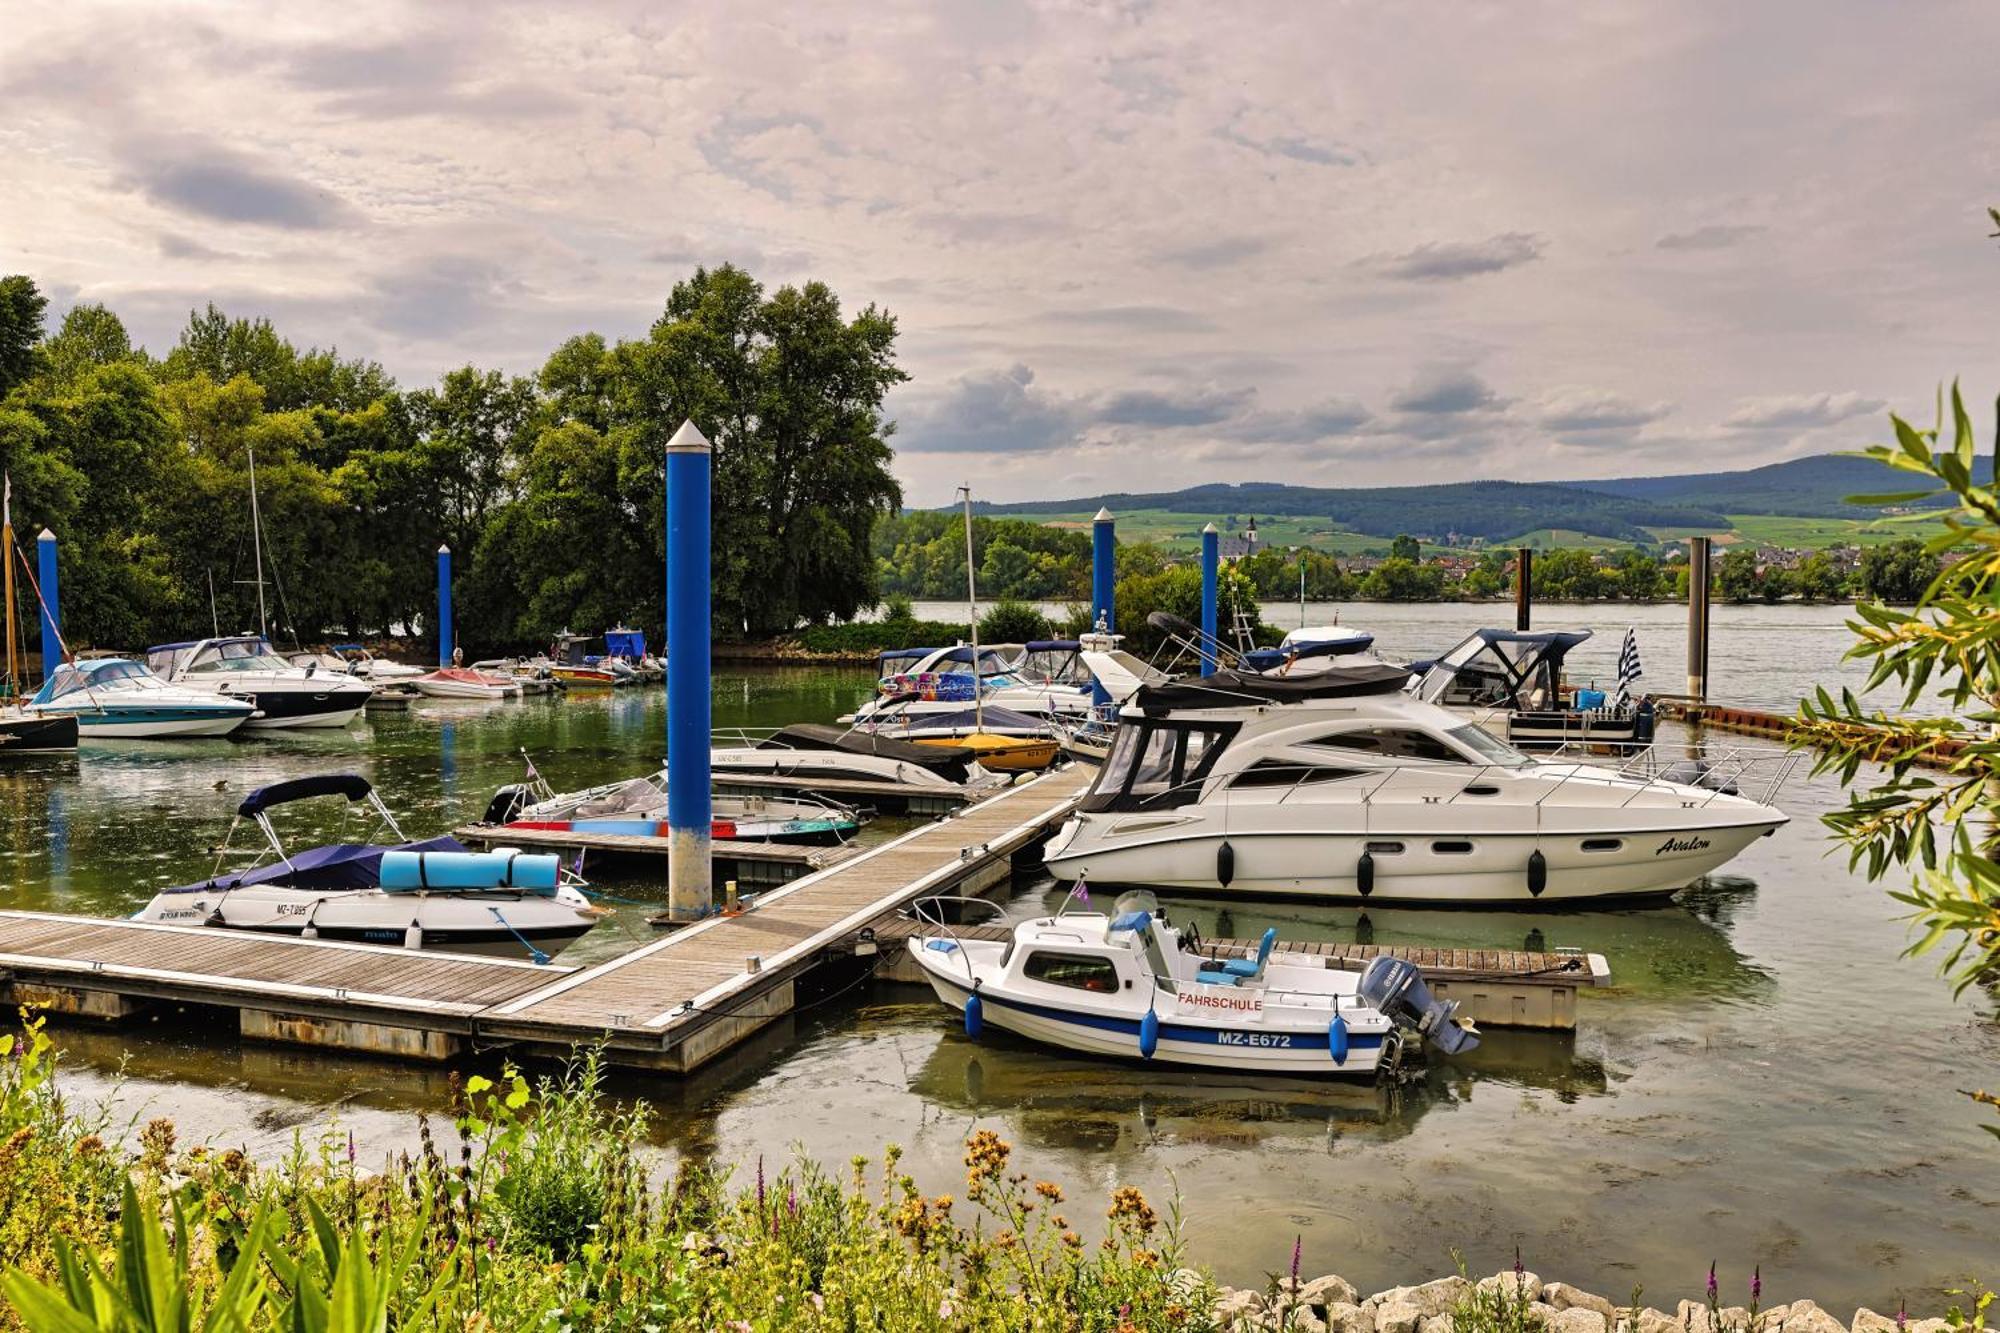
[1149,1034]
[1211,570]
[689,704]
[45,573]
[444,606]
[1336,1039]
[975,1015]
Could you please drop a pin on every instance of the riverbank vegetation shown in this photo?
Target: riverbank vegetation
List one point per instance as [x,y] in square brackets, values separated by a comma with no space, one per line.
[548,488]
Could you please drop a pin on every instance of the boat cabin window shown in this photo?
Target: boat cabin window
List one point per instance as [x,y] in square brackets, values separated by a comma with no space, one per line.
[1290,772]
[1490,748]
[237,655]
[1157,763]
[1084,971]
[1393,743]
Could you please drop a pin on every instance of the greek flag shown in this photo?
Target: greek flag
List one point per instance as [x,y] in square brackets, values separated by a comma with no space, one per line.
[1629,669]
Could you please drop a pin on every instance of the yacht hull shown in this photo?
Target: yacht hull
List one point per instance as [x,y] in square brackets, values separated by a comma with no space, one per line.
[1408,866]
[303,708]
[155,724]
[494,923]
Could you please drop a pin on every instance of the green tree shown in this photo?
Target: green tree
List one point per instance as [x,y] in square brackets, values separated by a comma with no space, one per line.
[1897,571]
[1010,621]
[1400,580]
[1570,574]
[1638,577]
[1736,576]
[21,307]
[1405,547]
[1817,580]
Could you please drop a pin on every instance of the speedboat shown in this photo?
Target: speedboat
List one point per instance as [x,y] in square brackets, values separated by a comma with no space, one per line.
[814,751]
[531,674]
[1309,649]
[1043,679]
[432,894]
[369,667]
[638,807]
[1511,683]
[1339,786]
[113,697]
[570,663]
[247,667]
[1131,986]
[1002,740]
[465,683]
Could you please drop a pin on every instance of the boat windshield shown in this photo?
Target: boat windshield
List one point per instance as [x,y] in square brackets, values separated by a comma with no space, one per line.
[100,676]
[1490,748]
[1157,763]
[238,655]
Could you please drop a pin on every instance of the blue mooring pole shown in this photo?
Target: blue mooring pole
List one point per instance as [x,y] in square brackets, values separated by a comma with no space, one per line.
[1103,584]
[1211,570]
[45,571]
[444,606]
[690,890]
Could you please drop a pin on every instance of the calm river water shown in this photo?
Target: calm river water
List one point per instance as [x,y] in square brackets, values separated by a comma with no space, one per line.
[1766,1082]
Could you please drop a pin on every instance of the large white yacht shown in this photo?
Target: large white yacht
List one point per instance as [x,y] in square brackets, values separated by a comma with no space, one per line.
[1339,786]
[247,667]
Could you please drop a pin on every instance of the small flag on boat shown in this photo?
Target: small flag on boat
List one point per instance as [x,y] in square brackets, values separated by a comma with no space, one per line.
[1081,892]
[1629,669]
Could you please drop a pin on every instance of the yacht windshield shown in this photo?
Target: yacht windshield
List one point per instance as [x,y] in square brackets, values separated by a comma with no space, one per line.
[239,655]
[1157,764]
[1489,747]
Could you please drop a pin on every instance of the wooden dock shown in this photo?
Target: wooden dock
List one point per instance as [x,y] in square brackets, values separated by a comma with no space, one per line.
[672,1005]
[747,862]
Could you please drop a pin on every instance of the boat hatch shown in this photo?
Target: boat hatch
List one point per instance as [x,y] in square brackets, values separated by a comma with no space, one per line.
[1157,763]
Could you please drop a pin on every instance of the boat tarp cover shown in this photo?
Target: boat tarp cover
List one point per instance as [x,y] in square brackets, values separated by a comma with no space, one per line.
[341,865]
[351,785]
[1235,689]
[625,643]
[820,736]
[1264,659]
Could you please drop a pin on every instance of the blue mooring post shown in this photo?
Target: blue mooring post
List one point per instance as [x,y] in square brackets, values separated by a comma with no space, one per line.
[690,891]
[1103,584]
[1211,569]
[444,606]
[45,571]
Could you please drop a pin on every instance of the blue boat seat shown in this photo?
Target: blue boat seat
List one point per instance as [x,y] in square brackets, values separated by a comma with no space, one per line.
[1253,967]
[1210,977]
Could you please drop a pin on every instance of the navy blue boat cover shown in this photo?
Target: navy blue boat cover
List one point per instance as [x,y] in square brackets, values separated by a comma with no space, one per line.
[343,865]
[351,785]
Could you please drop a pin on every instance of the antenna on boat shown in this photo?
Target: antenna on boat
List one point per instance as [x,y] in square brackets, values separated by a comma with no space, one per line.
[257,545]
[972,609]
[214,622]
[7,540]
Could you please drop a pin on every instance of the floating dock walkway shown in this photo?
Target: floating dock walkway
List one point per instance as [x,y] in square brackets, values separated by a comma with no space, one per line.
[747,862]
[672,1005]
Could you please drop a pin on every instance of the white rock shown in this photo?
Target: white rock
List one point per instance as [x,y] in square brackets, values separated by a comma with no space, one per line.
[1329,1290]
[1397,1317]
[1657,1321]
[1772,1317]
[1576,1319]
[1806,1317]
[1867,1321]
[1431,1298]
[1693,1317]
[1435,1323]
[1527,1284]
[1565,1297]
[1347,1317]
[1929,1325]
[1302,1320]
[1231,1303]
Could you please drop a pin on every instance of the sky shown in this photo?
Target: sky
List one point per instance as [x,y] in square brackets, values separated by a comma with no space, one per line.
[1130,246]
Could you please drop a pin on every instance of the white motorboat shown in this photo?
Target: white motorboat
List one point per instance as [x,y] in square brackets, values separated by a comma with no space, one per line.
[369,667]
[465,683]
[1340,786]
[247,667]
[1511,683]
[1311,649]
[808,750]
[114,698]
[638,807]
[1131,987]
[1044,679]
[531,674]
[433,894]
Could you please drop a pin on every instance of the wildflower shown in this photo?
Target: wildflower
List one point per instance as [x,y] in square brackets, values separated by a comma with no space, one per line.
[1298,1241]
[1128,1204]
[89,1146]
[817,1301]
[350,1147]
[1071,1239]
[760,1184]
[1756,1283]
[945,1308]
[1902,1316]
[985,1158]
[791,1201]
[1711,1282]
[1519,1269]
[1049,1190]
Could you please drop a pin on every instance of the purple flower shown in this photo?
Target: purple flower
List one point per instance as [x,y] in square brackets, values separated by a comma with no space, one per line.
[350,1147]
[760,1184]
[1711,1282]
[1519,1269]
[791,1201]
[1902,1316]
[1757,1283]
[1297,1241]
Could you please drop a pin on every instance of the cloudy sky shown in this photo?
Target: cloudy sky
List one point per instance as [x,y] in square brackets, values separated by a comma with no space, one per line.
[1131,245]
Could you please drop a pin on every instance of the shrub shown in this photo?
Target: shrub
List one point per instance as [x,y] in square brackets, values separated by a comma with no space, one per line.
[1013,622]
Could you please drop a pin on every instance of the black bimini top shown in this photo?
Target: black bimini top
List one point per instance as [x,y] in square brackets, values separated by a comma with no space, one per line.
[351,785]
[1236,689]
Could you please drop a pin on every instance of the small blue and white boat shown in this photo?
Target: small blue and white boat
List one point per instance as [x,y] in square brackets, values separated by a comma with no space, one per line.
[115,698]
[1132,986]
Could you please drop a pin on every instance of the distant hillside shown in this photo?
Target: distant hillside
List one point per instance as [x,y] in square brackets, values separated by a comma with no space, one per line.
[1494,510]
[1814,487]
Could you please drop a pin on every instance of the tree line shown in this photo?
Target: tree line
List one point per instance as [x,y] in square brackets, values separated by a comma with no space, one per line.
[548,488]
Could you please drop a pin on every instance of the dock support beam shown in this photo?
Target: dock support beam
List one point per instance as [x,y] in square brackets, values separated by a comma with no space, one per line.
[444,606]
[1524,588]
[690,893]
[1698,614]
[1211,569]
[45,573]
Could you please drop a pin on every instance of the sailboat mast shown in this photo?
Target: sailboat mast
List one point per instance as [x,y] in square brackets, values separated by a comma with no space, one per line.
[972,607]
[7,541]
[257,544]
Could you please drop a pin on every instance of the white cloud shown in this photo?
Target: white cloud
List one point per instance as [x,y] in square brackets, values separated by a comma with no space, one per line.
[1792,411]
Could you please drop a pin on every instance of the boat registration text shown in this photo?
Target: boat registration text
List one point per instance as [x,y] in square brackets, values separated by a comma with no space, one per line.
[1252,1039]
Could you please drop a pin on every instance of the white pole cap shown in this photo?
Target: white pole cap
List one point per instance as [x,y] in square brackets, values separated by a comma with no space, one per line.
[688,440]
[444,548]
[1208,529]
[45,536]
[1103,516]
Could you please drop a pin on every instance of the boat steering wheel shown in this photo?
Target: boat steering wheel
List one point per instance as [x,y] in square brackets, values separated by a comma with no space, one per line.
[1192,939]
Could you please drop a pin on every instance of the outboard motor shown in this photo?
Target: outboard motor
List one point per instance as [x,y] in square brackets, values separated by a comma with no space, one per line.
[1397,989]
[507,804]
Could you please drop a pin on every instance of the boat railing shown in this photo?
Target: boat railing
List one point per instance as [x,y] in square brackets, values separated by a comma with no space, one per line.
[931,912]
[1758,772]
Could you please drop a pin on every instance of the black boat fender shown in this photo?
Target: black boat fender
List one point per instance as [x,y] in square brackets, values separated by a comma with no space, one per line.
[1225,864]
[1538,874]
[1364,874]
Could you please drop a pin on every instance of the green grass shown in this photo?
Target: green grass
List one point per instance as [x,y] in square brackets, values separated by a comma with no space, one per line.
[1180,532]
[1781,530]
[1549,539]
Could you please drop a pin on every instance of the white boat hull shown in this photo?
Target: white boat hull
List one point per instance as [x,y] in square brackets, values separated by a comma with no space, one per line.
[490,922]
[115,728]
[459,689]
